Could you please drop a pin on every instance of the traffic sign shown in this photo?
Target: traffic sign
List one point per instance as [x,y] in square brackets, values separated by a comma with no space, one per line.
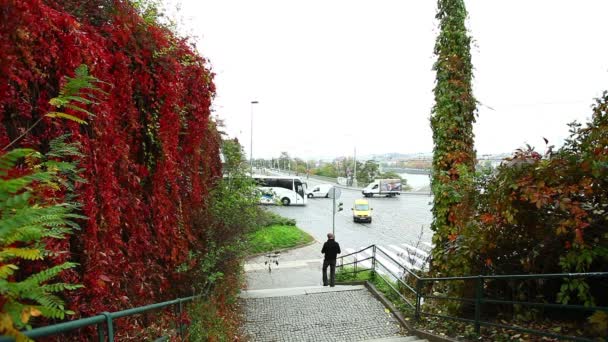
[335,192]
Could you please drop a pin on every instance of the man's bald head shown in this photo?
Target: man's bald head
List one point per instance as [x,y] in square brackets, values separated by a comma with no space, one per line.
[330,236]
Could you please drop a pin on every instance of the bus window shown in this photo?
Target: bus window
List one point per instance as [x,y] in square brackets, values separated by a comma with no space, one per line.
[261,181]
[272,182]
[285,183]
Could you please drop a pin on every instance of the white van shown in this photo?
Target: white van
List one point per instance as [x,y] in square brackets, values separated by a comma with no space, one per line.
[388,187]
[321,190]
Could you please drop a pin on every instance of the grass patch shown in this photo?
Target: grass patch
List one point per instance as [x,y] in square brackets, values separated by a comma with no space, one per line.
[271,238]
[380,283]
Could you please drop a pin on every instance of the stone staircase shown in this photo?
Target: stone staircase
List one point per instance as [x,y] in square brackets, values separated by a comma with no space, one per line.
[317,313]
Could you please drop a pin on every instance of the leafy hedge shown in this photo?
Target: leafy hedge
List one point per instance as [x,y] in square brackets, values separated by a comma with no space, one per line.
[549,213]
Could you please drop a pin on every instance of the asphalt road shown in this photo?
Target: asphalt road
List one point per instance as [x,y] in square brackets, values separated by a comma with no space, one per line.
[398,220]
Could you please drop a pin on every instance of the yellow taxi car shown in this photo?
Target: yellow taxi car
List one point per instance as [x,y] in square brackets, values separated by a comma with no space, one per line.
[361,211]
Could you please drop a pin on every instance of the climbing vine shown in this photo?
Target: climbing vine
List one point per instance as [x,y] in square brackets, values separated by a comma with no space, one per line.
[452,121]
[150,158]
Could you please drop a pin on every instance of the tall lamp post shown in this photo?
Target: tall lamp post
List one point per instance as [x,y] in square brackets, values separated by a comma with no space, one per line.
[251,141]
[355,175]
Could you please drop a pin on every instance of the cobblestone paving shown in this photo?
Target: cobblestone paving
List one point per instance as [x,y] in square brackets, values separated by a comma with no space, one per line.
[335,316]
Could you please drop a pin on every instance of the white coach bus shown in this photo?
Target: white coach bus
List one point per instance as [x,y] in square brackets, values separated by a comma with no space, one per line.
[288,190]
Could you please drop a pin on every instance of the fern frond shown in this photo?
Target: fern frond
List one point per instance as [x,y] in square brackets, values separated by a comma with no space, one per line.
[48,274]
[65,116]
[22,253]
[15,185]
[25,235]
[16,202]
[80,99]
[47,300]
[34,217]
[58,287]
[9,159]
[28,214]
[52,312]
[7,270]
[80,109]
[59,148]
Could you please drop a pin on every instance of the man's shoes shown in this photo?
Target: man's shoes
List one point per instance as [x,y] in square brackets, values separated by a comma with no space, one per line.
[332,285]
[324,284]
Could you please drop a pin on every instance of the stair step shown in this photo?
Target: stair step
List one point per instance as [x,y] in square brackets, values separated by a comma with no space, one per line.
[397,339]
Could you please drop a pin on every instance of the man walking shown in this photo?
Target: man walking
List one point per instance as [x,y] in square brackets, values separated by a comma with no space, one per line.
[331,249]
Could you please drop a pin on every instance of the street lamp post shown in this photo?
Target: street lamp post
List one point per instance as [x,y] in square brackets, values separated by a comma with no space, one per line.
[355,175]
[251,141]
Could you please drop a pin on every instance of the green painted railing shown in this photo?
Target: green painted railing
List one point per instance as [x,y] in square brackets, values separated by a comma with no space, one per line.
[480,282]
[105,322]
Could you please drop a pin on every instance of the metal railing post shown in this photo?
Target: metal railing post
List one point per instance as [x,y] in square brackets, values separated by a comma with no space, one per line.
[478,299]
[356,260]
[110,325]
[180,310]
[101,332]
[418,290]
[177,314]
[374,259]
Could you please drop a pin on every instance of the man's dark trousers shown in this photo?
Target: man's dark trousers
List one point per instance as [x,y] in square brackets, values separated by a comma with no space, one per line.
[332,272]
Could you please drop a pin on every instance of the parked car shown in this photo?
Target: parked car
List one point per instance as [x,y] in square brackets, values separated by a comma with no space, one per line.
[321,190]
[361,211]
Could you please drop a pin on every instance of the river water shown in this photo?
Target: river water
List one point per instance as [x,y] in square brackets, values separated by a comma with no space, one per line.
[416,181]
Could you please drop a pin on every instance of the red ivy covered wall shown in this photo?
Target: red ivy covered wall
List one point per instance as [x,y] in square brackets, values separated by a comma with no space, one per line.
[150,154]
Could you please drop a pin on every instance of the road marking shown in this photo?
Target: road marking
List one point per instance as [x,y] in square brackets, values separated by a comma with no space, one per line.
[401,260]
[405,256]
[428,244]
[388,264]
[416,250]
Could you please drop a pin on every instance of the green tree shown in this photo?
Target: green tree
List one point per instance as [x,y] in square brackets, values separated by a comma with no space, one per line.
[300,166]
[326,170]
[452,121]
[284,161]
[367,172]
[232,212]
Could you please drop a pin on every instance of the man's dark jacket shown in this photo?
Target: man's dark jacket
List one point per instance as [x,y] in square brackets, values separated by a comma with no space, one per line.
[331,249]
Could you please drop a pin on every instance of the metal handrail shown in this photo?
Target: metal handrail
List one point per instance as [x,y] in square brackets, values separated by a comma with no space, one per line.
[398,263]
[479,289]
[106,320]
[356,261]
[357,252]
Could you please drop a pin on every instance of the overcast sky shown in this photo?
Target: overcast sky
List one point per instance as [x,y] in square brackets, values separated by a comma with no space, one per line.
[332,75]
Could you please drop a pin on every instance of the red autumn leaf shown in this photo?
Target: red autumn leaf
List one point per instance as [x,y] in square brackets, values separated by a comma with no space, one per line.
[579,235]
[487,218]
